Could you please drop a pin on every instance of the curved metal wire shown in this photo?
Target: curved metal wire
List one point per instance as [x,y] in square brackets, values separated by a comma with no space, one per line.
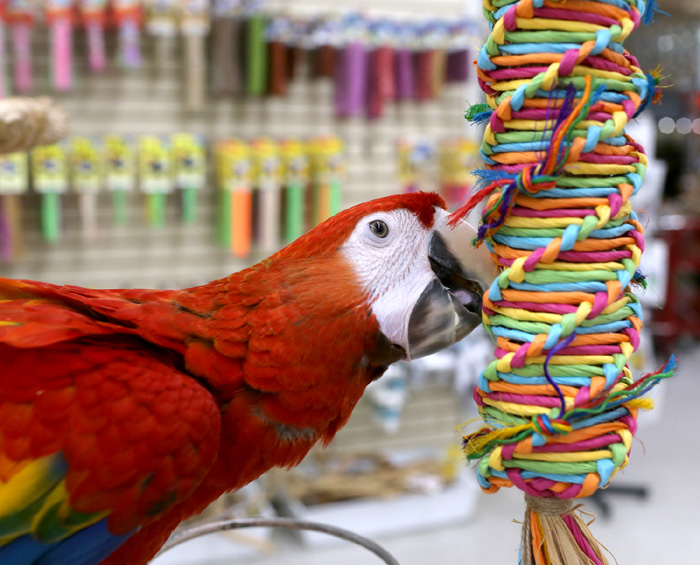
[288,523]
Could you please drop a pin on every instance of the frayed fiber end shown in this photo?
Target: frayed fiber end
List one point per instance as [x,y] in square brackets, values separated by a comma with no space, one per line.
[478,114]
[554,533]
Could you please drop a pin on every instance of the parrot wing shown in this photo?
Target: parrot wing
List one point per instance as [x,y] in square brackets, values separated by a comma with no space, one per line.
[98,435]
[33,321]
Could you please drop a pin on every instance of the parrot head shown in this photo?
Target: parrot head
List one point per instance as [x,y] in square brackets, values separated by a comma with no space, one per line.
[420,274]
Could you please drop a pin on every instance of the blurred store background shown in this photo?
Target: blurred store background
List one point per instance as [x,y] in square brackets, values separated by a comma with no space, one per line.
[274,115]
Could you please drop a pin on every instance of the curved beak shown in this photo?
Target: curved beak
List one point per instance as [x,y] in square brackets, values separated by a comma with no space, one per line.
[450,306]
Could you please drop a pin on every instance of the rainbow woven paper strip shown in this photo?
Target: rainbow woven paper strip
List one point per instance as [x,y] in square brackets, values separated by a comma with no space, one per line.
[559,402]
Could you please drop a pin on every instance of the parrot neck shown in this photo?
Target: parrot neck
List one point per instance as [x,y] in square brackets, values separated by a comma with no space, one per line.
[287,349]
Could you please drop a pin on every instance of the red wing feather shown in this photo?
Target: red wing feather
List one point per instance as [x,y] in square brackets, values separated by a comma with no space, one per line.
[137,436]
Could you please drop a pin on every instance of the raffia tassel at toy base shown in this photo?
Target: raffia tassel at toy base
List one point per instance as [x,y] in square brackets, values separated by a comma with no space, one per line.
[559,402]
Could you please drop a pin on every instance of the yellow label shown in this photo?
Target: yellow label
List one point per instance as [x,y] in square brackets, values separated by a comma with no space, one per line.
[49,168]
[267,163]
[155,165]
[119,163]
[326,158]
[233,164]
[85,164]
[189,160]
[14,173]
[295,161]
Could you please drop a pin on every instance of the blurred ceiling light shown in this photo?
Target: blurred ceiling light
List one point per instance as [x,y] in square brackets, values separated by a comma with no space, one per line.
[684,126]
[667,125]
[696,125]
[666,43]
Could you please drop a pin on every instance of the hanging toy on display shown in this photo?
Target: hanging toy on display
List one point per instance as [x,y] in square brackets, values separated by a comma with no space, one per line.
[429,61]
[458,63]
[267,179]
[403,63]
[278,34]
[129,15]
[161,23]
[59,16]
[296,175]
[20,18]
[5,89]
[351,64]
[93,17]
[234,174]
[320,37]
[120,174]
[189,163]
[50,174]
[381,86]
[14,183]
[86,179]
[194,25]
[226,65]
[327,170]
[559,402]
[255,51]
[156,176]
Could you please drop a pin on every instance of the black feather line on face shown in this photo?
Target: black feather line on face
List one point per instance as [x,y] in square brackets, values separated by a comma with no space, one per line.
[380,355]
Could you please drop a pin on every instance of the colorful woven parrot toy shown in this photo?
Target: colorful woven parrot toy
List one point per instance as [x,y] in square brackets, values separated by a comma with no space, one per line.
[123,412]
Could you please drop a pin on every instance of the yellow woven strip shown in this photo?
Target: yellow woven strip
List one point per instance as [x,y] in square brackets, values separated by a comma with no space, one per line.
[559,25]
[572,360]
[574,457]
[578,267]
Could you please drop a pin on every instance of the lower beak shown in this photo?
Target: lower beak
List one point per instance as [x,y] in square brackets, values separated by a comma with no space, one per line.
[450,306]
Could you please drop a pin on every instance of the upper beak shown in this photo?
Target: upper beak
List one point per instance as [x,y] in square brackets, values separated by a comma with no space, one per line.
[450,306]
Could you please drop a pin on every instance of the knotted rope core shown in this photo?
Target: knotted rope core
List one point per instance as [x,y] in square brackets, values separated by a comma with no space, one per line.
[549,506]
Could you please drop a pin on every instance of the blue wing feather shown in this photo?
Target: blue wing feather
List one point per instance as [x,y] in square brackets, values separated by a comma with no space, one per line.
[85,547]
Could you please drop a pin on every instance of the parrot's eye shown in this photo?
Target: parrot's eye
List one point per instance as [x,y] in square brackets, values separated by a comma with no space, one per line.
[379,228]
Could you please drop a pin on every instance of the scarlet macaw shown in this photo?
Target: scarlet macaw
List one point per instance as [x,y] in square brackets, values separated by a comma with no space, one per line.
[123,412]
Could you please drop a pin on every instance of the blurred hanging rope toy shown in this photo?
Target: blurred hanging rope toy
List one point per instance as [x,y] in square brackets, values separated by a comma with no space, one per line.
[559,401]
[29,122]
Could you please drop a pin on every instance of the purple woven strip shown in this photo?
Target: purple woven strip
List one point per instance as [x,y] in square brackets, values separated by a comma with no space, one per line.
[584,445]
[535,307]
[584,257]
[543,114]
[580,539]
[607,159]
[575,16]
[594,257]
[525,399]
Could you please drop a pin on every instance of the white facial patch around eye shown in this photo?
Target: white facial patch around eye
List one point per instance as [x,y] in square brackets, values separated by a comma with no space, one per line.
[394,270]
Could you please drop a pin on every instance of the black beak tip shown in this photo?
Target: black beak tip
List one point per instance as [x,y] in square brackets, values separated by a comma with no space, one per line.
[453,277]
